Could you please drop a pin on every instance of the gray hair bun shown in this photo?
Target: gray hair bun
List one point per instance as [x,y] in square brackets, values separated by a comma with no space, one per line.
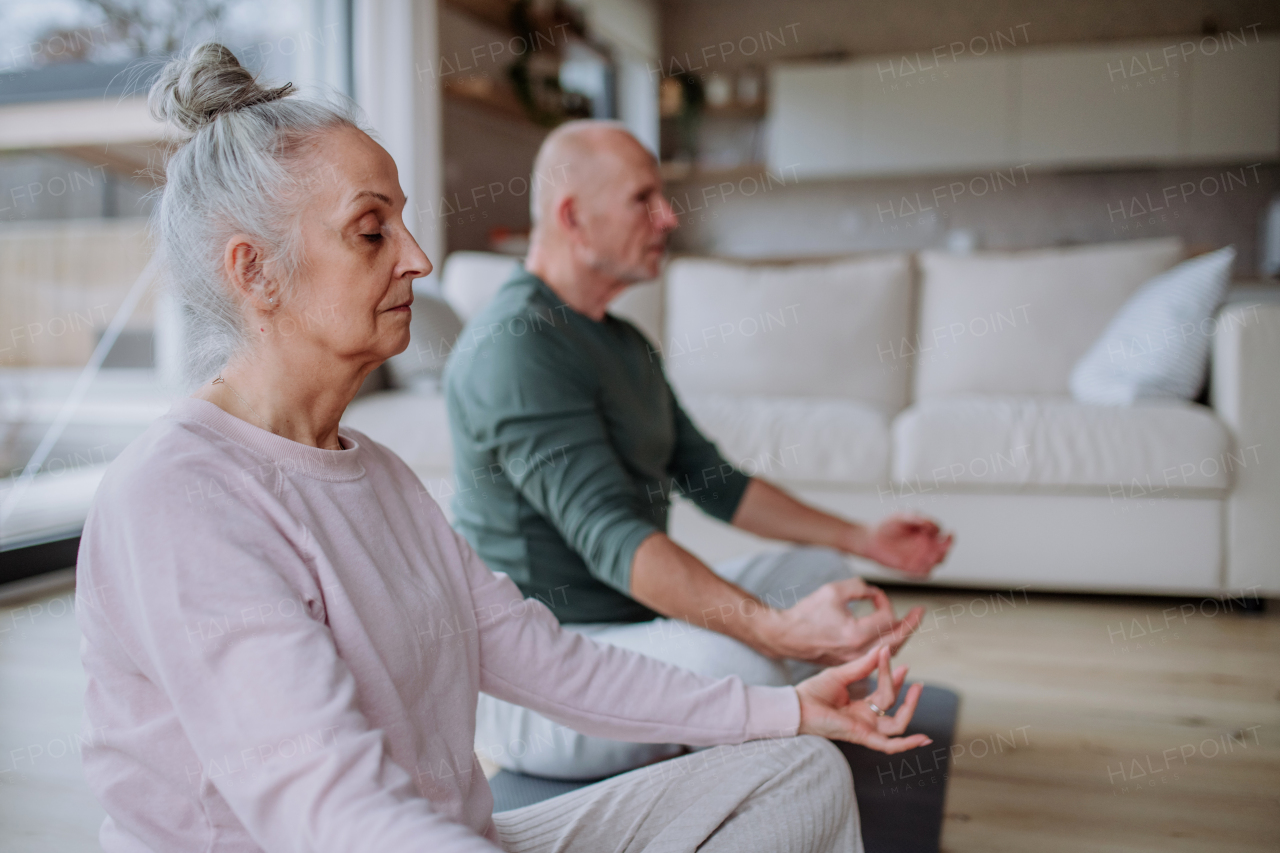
[241,170]
[193,91]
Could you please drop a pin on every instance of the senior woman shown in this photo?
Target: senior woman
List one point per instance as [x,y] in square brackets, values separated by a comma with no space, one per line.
[284,639]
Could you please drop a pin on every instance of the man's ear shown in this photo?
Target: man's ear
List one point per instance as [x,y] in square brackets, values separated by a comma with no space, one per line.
[567,213]
[243,263]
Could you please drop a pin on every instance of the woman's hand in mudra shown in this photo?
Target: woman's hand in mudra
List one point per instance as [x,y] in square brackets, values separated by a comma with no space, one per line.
[826,709]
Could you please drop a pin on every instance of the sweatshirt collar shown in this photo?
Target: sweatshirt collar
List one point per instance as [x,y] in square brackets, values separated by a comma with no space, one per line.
[290,456]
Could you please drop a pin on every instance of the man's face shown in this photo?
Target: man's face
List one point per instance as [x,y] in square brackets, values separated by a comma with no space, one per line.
[624,218]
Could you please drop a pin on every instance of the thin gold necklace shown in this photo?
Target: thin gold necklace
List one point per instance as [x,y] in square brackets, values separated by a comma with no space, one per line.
[219,379]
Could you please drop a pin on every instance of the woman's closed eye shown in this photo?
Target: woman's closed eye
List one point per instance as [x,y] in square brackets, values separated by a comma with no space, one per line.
[370,227]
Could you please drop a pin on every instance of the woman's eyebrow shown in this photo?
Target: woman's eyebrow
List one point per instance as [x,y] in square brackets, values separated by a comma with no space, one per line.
[379,196]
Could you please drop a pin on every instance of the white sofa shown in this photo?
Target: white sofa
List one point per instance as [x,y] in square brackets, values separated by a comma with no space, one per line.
[938,383]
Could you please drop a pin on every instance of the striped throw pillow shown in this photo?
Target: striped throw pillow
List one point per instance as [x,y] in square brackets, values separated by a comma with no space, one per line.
[1158,343]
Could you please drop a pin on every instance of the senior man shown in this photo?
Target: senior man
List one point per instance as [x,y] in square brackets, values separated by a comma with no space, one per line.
[567,438]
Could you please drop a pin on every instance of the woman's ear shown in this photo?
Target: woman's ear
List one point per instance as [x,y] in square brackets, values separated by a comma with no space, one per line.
[243,262]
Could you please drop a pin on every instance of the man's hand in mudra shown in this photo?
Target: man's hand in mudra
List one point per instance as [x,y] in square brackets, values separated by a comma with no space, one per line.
[826,709]
[821,628]
[909,543]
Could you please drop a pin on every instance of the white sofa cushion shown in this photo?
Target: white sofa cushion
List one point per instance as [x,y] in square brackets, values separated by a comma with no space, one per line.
[433,330]
[788,439]
[413,423]
[789,330]
[1017,322]
[642,305]
[470,279]
[1158,448]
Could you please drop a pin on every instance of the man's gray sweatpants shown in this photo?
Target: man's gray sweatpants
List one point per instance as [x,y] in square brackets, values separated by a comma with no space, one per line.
[518,739]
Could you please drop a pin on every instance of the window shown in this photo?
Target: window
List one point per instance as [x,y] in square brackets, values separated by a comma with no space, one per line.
[77,151]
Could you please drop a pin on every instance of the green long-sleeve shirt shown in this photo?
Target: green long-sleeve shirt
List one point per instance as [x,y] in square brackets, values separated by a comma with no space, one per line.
[568,445]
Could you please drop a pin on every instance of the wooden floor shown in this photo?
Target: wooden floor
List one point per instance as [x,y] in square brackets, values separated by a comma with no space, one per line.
[1087,723]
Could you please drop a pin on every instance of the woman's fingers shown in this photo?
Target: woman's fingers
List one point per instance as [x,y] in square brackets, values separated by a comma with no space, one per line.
[888,682]
[856,669]
[884,695]
[879,732]
[897,724]
[825,708]
[894,745]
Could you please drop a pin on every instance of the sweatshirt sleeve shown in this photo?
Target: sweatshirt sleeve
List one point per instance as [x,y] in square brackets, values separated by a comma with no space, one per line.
[526,658]
[214,603]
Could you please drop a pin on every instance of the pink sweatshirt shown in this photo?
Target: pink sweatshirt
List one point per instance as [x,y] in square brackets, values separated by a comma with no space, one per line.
[284,646]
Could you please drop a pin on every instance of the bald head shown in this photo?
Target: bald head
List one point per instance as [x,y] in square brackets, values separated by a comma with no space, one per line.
[600,223]
[578,156]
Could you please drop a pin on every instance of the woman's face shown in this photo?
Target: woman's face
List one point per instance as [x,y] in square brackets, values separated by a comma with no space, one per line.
[352,294]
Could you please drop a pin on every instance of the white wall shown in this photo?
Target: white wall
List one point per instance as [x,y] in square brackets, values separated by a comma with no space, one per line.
[396,43]
[631,28]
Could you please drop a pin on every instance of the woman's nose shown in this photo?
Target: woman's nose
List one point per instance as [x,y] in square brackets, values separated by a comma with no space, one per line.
[414,262]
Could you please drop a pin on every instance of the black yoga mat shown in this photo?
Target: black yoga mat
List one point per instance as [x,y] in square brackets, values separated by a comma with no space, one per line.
[900,797]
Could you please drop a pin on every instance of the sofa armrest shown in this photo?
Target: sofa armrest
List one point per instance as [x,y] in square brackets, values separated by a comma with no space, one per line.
[1246,395]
